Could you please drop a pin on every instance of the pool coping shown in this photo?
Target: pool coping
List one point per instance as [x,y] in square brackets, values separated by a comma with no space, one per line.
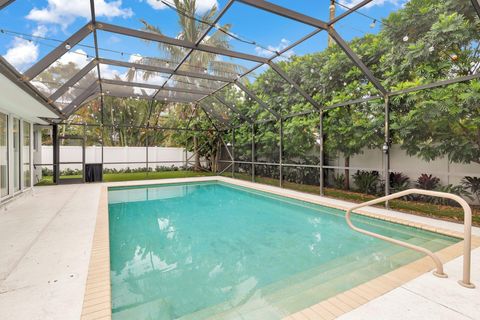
[97,298]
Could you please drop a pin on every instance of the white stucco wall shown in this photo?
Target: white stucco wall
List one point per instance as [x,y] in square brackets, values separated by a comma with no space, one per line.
[136,156]
[448,173]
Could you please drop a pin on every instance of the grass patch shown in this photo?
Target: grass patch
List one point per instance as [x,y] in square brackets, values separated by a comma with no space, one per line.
[114,177]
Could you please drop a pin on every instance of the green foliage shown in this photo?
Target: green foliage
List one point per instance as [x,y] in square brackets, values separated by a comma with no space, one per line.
[70,172]
[458,190]
[472,184]
[442,122]
[443,36]
[301,175]
[366,181]
[339,181]
[427,182]
[47,172]
[399,181]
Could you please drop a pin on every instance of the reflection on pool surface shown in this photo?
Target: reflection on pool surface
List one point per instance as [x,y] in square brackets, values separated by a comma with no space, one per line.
[193,251]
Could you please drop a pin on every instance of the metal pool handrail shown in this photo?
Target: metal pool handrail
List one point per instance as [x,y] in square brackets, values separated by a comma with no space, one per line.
[439,267]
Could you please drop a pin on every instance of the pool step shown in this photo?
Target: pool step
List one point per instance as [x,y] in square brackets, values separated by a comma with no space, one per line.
[255,301]
[261,300]
[295,293]
[299,299]
[306,279]
[338,278]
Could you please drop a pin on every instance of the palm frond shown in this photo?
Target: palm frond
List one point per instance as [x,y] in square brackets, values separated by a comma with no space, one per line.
[226,68]
[174,52]
[219,38]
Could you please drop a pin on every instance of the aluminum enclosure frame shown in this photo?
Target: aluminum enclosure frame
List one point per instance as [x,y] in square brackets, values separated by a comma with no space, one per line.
[96,88]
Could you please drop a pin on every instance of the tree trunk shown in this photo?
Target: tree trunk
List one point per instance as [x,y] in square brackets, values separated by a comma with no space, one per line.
[197,165]
[215,157]
[347,173]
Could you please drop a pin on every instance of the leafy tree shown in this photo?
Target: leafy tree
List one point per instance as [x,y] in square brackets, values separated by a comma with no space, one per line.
[442,122]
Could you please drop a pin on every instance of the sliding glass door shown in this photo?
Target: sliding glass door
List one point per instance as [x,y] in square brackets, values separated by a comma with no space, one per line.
[27,175]
[3,155]
[16,155]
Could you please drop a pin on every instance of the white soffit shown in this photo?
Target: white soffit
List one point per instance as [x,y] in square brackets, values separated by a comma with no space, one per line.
[15,100]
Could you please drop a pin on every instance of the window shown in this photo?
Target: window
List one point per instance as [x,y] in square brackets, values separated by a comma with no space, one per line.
[3,155]
[27,181]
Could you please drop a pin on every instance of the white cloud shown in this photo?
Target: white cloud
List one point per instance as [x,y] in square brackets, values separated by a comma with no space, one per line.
[22,53]
[202,5]
[108,73]
[77,57]
[40,31]
[64,12]
[114,39]
[157,5]
[270,50]
[134,58]
[352,3]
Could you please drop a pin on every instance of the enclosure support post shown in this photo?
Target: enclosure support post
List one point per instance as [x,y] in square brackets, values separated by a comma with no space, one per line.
[84,141]
[280,155]
[102,130]
[386,149]
[233,152]
[146,149]
[56,153]
[253,152]
[186,157]
[320,138]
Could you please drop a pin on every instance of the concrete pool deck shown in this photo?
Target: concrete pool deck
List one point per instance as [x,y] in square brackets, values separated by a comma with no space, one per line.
[46,244]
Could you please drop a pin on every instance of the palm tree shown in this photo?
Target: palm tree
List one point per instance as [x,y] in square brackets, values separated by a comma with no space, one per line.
[192,30]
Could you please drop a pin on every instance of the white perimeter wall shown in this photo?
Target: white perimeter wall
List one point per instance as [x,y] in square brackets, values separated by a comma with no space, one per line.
[448,173]
[114,155]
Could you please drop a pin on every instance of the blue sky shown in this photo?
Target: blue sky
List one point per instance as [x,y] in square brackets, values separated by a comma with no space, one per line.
[58,19]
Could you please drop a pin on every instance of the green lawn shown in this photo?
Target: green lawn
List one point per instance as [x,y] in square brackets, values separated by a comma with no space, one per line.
[112,177]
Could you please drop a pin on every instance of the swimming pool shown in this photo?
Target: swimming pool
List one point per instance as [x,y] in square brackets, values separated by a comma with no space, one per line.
[196,250]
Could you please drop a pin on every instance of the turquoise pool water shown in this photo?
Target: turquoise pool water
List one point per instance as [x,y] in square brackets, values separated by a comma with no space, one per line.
[194,251]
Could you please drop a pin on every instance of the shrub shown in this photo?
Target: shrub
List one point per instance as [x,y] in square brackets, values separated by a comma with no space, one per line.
[427,182]
[165,168]
[366,181]
[301,175]
[70,172]
[399,181]
[450,188]
[47,172]
[339,181]
[472,184]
